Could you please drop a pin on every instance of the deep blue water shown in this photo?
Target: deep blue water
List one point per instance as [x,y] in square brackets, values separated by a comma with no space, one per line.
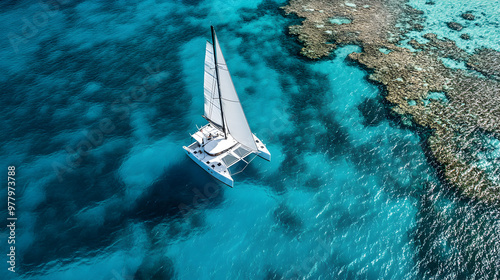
[98,99]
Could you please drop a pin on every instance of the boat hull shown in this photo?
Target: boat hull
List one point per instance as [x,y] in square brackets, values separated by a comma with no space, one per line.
[218,164]
[226,179]
[263,151]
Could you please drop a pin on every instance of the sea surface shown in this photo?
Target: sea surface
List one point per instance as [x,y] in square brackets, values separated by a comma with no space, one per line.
[98,98]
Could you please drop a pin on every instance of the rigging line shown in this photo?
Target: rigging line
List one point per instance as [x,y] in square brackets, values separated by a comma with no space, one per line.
[214,40]
[230,100]
[214,105]
[212,97]
[211,74]
[245,165]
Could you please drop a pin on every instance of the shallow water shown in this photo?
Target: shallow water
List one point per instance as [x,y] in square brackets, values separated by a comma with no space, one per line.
[484,30]
[103,97]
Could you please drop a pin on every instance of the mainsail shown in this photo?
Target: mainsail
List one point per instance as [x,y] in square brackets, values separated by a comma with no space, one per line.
[211,91]
[227,138]
[235,120]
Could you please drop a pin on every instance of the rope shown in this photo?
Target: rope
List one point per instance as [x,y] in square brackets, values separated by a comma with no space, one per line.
[245,165]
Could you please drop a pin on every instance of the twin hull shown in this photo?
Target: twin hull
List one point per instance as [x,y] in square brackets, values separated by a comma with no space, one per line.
[218,165]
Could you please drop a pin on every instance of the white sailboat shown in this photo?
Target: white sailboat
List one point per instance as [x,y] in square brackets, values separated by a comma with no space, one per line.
[227,138]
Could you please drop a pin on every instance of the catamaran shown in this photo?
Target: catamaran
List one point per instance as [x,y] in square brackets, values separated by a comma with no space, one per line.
[227,138]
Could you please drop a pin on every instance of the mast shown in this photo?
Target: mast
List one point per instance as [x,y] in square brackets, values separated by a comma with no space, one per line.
[218,84]
[235,121]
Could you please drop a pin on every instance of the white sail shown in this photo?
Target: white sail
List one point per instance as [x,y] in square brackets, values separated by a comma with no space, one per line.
[211,92]
[236,122]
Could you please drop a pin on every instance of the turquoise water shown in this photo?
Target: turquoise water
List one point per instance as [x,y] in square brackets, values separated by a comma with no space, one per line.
[339,197]
[453,64]
[484,30]
[349,193]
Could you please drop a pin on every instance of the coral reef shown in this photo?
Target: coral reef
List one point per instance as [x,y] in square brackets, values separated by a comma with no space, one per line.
[487,62]
[468,16]
[320,36]
[460,123]
[454,25]
[472,108]
[465,36]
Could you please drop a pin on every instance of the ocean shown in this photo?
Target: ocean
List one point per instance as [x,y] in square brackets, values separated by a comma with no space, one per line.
[99,97]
